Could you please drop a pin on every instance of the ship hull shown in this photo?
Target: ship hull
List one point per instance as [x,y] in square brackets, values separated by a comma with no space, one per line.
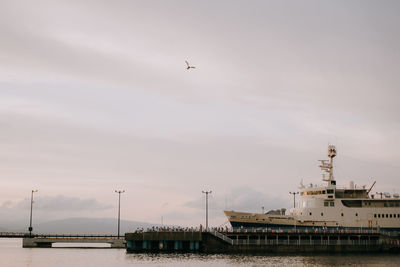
[259,220]
[249,225]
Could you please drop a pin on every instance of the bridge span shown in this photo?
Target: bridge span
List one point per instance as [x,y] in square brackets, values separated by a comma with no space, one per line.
[47,240]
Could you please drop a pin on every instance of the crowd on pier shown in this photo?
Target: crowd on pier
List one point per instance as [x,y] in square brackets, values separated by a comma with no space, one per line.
[182,229]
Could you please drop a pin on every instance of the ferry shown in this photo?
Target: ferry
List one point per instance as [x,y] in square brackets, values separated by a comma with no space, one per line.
[327,206]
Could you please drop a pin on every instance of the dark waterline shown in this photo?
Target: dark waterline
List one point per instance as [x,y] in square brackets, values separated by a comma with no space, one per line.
[12,254]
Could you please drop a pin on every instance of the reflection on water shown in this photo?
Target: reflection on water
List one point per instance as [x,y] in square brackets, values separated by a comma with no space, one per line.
[265,260]
[13,255]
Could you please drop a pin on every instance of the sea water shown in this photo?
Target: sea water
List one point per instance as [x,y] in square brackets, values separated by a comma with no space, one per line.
[13,255]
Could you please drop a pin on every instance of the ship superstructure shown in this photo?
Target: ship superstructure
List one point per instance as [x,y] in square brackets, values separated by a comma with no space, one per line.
[329,206]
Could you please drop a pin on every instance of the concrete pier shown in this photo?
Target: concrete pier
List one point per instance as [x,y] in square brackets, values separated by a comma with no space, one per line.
[262,241]
[164,241]
[48,241]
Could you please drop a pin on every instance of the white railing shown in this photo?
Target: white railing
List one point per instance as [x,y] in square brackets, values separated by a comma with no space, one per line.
[223,237]
[274,242]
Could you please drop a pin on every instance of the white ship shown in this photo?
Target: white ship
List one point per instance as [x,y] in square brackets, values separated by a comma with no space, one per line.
[328,206]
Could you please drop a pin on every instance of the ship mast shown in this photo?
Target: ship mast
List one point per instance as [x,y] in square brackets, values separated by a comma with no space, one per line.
[327,167]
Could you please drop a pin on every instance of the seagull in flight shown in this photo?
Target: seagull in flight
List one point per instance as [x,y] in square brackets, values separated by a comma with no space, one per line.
[188,66]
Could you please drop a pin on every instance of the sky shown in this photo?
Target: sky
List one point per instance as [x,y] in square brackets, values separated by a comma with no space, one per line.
[95,97]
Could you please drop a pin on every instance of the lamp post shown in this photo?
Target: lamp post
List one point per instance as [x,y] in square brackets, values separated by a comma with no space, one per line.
[294,198]
[30,220]
[207,192]
[119,207]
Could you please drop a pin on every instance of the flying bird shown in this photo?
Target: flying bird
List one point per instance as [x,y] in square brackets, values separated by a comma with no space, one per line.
[188,66]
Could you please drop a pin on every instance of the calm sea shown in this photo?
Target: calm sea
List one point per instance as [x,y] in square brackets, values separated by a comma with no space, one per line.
[12,254]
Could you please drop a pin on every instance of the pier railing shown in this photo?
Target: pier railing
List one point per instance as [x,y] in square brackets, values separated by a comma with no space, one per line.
[273,242]
[78,236]
[309,231]
[13,234]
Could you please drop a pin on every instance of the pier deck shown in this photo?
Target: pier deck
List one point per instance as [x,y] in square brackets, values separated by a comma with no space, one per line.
[262,241]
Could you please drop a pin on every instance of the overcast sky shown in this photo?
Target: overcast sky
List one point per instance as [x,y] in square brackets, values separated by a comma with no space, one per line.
[95,96]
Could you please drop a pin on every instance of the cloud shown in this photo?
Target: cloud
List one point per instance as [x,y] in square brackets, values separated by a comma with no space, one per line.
[59,203]
[64,203]
[47,208]
[6,205]
[241,199]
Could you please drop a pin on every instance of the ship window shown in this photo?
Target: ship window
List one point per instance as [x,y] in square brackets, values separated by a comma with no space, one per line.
[352,203]
[375,215]
[332,204]
[326,204]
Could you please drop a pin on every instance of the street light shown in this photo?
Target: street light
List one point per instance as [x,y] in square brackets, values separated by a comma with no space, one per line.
[294,198]
[207,192]
[30,221]
[119,207]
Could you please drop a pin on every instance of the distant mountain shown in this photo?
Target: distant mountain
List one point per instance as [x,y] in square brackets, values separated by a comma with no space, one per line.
[83,226]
